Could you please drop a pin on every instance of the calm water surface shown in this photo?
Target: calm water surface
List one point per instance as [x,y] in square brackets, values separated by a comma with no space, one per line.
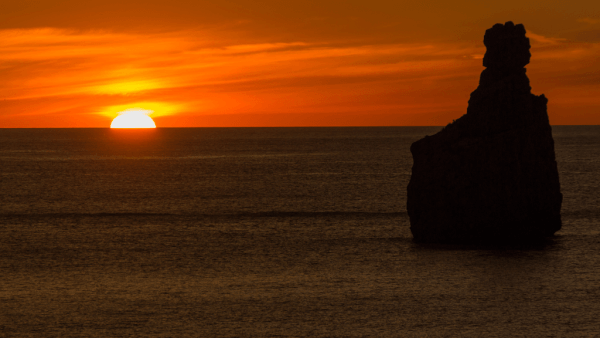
[270,232]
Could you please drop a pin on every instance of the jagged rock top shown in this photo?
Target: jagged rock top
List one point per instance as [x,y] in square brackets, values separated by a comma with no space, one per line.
[507,47]
[506,56]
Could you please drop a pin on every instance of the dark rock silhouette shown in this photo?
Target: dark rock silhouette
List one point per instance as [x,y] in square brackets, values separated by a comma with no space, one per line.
[491,175]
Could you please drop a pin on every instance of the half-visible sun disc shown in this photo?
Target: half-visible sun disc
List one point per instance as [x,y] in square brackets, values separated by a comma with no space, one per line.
[133,119]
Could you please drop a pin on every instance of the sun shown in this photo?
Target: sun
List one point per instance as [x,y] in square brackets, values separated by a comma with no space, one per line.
[133,118]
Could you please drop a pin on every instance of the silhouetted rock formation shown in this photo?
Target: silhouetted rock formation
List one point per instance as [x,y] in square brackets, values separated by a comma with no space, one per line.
[490,176]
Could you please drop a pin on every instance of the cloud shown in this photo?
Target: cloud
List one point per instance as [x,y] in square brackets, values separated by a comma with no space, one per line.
[589,21]
[193,72]
[51,62]
[543,40]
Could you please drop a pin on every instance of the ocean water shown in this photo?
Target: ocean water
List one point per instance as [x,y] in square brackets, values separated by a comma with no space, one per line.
[270,232]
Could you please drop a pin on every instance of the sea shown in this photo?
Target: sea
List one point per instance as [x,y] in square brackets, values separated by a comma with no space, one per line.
[271,232]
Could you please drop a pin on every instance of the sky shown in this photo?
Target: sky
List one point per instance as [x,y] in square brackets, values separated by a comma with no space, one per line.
[247,63]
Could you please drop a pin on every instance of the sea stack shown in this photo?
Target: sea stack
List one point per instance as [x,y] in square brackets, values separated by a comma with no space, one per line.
[490,176]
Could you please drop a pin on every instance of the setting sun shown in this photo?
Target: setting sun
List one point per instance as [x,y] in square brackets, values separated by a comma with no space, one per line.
[133,118]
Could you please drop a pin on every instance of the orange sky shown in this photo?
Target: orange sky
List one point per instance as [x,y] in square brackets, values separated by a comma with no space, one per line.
[281,63]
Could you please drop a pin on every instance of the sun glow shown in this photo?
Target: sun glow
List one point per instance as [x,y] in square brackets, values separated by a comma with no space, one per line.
[133,118]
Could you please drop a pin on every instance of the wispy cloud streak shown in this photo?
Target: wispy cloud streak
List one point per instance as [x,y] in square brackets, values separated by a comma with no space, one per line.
[192,73]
